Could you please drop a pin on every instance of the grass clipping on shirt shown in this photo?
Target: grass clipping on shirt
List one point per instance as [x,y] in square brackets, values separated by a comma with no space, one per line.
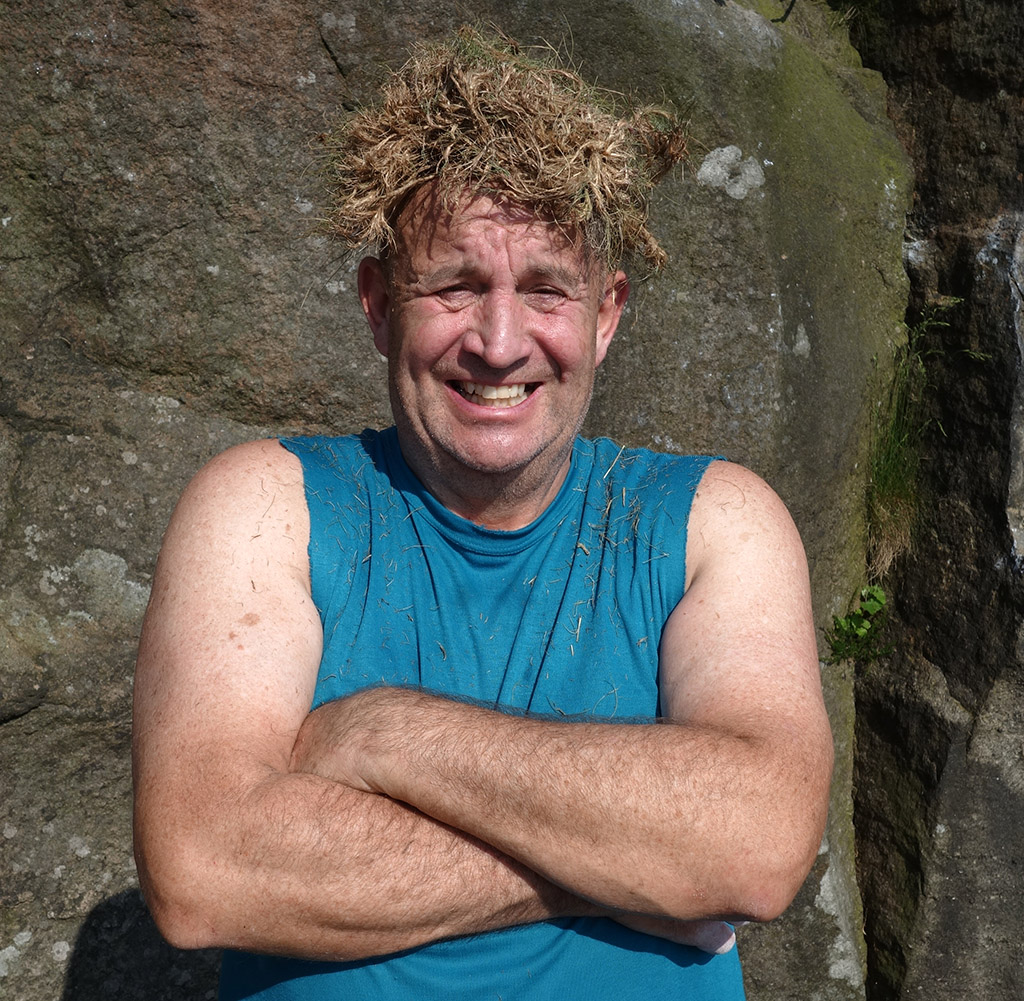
[477,115]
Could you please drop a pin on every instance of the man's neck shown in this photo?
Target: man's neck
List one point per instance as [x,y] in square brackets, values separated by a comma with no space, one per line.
[503,501]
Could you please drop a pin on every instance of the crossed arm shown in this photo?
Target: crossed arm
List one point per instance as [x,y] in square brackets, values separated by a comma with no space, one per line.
[393,818]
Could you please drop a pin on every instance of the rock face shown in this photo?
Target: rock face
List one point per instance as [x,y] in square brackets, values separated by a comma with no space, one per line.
[167,293]
[940,775]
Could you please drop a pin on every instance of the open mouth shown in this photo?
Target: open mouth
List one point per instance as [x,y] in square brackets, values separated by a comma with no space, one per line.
[495,396]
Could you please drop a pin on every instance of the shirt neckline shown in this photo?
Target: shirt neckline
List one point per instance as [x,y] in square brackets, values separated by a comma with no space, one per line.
[466,534]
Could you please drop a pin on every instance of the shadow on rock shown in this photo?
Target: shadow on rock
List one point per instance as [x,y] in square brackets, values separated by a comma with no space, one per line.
[120,954]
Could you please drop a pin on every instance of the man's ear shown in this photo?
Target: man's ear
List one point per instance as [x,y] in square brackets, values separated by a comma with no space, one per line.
[376,301]
[609,313]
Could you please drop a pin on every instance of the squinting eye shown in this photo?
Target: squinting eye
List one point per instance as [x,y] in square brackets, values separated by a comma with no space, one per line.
[454,294]
[545,297]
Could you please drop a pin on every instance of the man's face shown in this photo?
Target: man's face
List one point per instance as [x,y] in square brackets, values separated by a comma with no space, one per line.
[493,322]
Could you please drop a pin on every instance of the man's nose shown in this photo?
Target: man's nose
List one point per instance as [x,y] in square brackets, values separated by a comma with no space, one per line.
[500,332]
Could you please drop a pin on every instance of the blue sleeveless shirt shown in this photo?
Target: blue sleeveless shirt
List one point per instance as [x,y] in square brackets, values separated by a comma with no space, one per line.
[562,618]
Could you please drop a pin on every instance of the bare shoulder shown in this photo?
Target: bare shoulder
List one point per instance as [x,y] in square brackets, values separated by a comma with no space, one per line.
[736,516]
[231,622]
[729,483]
[245,504]
[238,538]
[244,475]
[743,633]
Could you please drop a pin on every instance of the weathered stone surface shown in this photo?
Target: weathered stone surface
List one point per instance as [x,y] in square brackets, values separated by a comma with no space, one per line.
[939,791]
[967,937]
[167,293]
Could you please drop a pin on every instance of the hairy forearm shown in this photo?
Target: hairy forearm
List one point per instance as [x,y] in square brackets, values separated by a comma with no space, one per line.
[659,819]
[308,867]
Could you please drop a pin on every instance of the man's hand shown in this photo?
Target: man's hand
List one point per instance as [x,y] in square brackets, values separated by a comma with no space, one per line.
[709,936]
[332,740]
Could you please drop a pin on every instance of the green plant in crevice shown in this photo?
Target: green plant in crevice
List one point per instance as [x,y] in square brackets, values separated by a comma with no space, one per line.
[859,635]
[899,425]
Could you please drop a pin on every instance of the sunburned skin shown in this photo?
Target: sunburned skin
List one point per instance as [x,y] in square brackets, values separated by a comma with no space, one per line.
[492,321]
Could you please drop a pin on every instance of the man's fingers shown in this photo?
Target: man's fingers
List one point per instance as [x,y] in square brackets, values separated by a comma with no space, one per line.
[708,936]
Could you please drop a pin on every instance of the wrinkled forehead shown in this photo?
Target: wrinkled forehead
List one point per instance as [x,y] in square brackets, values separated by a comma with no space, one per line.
[429,226]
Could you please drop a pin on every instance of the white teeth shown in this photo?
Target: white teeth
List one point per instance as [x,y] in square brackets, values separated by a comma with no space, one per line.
[494,392]
[500,395]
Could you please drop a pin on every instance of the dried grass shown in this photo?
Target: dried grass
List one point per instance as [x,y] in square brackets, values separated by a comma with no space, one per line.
[478,115]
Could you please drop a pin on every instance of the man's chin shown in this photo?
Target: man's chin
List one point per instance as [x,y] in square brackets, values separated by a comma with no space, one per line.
[498,462]
[498,459]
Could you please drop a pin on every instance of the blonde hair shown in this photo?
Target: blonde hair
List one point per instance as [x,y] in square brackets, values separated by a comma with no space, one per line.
[476,115]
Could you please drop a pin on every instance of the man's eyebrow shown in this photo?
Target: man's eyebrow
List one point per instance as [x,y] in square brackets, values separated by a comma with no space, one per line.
[447,273]
[441,275]
[563,277]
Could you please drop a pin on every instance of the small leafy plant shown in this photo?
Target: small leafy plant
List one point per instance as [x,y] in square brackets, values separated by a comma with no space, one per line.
[858,636]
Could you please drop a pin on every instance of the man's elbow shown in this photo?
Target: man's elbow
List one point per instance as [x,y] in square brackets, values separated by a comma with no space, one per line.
[759,872]
[776,887]
[775,870]
[177,897]
[780,850]
[181,922]
[749,884]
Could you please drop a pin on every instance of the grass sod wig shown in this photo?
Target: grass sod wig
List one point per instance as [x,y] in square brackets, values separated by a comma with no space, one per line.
[476,114]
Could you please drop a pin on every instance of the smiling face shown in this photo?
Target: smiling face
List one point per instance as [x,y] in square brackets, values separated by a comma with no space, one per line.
[493,322]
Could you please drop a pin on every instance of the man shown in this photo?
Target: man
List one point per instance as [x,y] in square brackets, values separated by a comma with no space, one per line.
[485,612]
